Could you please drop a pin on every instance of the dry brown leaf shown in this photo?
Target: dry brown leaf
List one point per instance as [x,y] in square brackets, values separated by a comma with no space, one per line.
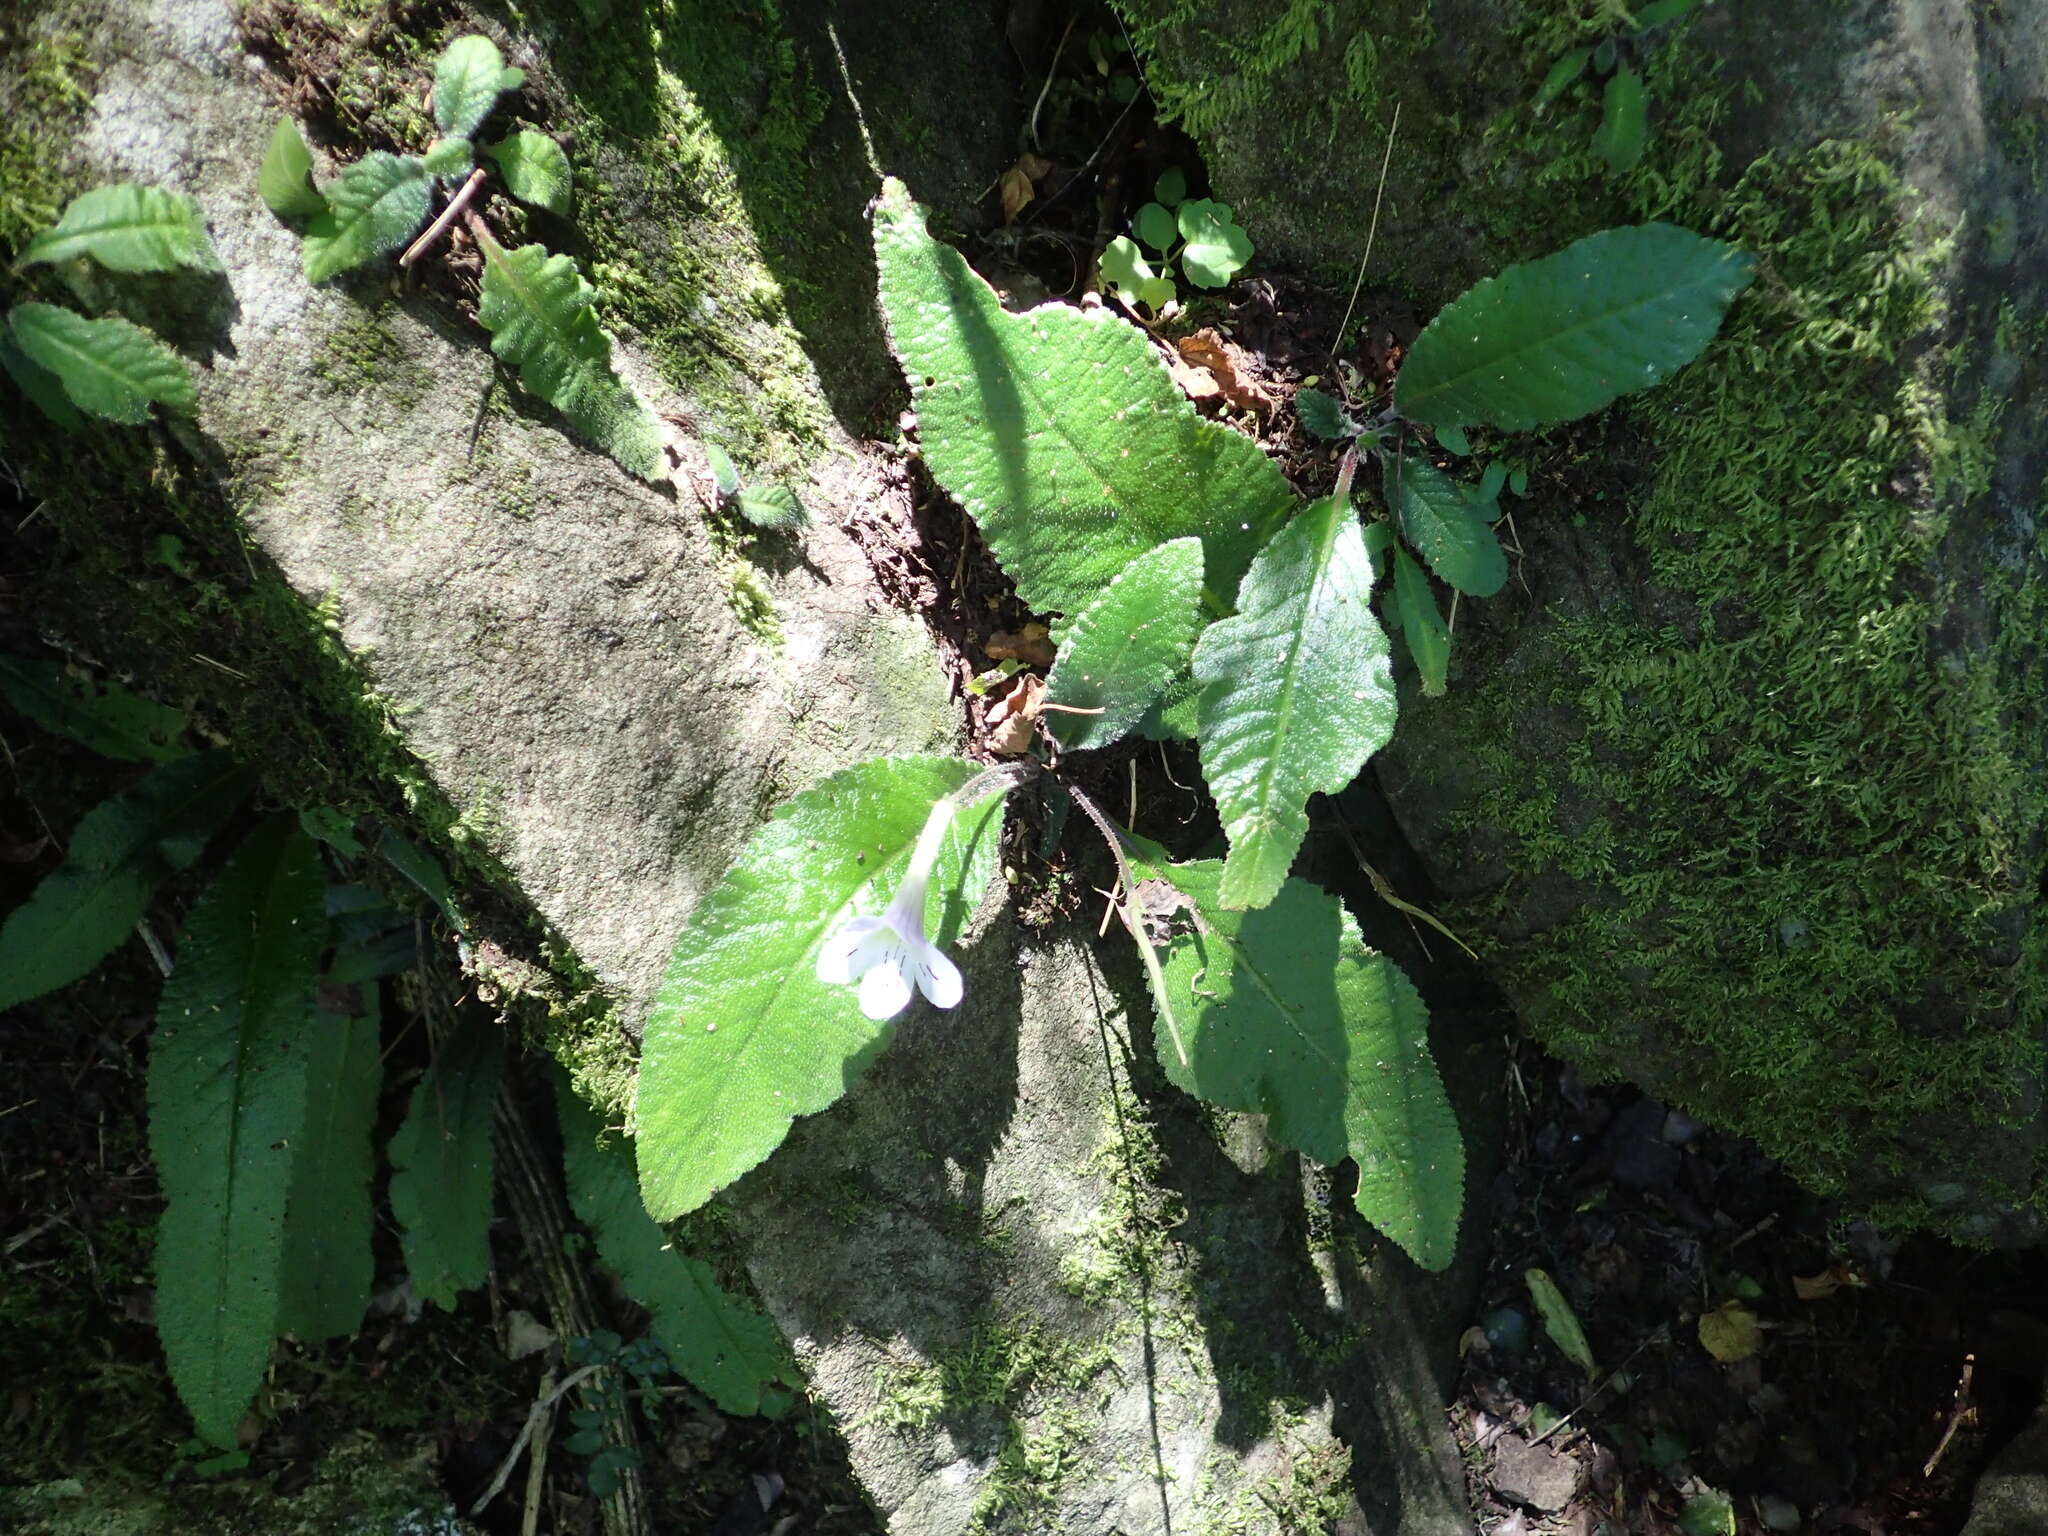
[1227,363]
[1018,184]
[1826,1283]
[1031,645]
[1730,1333]
[1013,721]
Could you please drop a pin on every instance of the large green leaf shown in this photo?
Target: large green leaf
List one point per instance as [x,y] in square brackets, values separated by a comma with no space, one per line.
[227,1098]
[121,851]
[127,228]
[744,1037]
[1559,338]
[374,206]
[1444,524]
[103,717]
[441,1165]
[1296,693]
[722,1345]
[540,314]
[468,79]
[328,1267]
[286,180]
[1124,649]
[1061,432]
[107,366]
[1284,1012]
[535,168]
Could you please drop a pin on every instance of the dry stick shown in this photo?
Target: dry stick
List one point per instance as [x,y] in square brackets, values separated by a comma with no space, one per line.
[1956,1416]
[1372,229]
[1659,1337]
[1135,921]
[449,215]
[537,1468]
[541,1405]
[1051,70]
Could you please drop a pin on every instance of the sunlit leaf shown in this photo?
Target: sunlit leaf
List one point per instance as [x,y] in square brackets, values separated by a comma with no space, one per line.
[373,206]
[468,79]
[1124,648]
[286,180]
[107,366]
[127,228]
[535,168]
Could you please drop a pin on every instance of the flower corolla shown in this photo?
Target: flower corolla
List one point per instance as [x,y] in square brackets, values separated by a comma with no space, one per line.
[886,955]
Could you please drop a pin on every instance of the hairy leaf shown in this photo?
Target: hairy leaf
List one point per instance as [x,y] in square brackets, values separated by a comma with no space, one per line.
[1324,415]
[127,228]
[441,1166]
[1061,432]
[1296,693]
[771,506]
[1422,624]
[1285,1012]
[373,206]
[103,717]
[39,384]
[107,366]
[450,158]
[719,1343]
[227,1100]
[535,168]
[1123,650]
[540,314]
[743,1037]
[1443,524]
[468,79]
[286,180]
[120,853]
[1624,121]
[1216,249]
[328,1267]
[1559,338]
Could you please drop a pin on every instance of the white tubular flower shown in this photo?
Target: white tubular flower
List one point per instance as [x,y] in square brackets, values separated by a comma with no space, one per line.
[887,954]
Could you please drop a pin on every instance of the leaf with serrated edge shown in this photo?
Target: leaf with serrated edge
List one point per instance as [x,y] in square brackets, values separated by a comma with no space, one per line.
[374,206]
[535,168]
[107,366]
[540,314]
[1443,524]
[126,228]
[285,181]
[1556,339]
[103,717]
[468,79]
[1060,430]
[328,1267]
[1296,693]
[227,1098]
[119,854]
[1285,1012]
[1422,624]
[449,158]
[441,1166]
[40,385]
[1124,648]
[743,1037]
[720,1344]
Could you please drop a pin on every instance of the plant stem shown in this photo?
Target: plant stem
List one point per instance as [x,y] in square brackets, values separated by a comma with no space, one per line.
[448,216]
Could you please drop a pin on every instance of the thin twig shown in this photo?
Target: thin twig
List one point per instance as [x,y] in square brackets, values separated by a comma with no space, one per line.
[541,1405]
[1372,229]
[449,215]
[537,1466]
[1659,1337]
[1051,71]
[1133,919]
[1956,1416]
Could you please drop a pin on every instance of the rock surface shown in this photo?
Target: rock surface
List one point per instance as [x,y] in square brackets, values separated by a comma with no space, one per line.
[1025,1278]
[1739,777]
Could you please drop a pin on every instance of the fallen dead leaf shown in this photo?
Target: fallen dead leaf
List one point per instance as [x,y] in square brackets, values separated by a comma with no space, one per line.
[1031,645]
[1230,367]
[1730,1333]
[1014,720]
[1018,185]
[1830,1280]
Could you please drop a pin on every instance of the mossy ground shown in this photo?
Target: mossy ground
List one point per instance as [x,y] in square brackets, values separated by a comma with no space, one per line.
[1800,817]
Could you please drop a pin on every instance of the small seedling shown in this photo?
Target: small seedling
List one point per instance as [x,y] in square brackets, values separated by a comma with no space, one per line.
[1624,103]
[1198,233]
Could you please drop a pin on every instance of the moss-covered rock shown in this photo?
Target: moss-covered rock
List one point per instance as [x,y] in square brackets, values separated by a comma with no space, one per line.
[1742,777]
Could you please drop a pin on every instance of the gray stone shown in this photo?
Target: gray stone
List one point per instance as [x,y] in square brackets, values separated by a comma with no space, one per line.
[1539,1476]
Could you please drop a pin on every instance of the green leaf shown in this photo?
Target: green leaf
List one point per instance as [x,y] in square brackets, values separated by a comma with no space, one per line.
[127,228]
[1156,227]
[1443,524]
[286,180]
[1172,186]
[422,869]
[771,506]
[743,1037]
[542,319]
[227,1100]
[328,1267]
[1555,339]
[468,79]
[1624,121]
[1285,1012]
[1176,714]
[122,850]
[1604,56]
[1060,431]
[1661,12]
[1707,1514]
[1566,70]
[373,206]
[1124,267]
[1560,1321]
[1453,441]
[441,1165]
[449,158]
[1216,248]
[719,1343]
[1422,624]
[1124,648]
[1155,293]
[1324,416]
[535,168]
[102,717]
[1296,693]
[723,472]
[40,385]
[107,366]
